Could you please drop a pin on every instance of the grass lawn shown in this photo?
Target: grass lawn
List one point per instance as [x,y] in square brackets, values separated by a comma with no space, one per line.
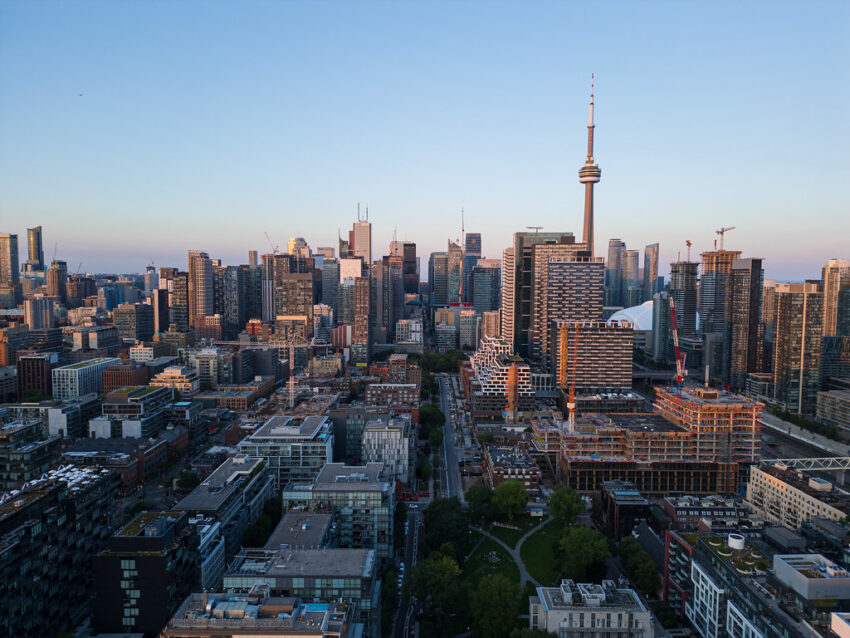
[479,564]
[511,536]
[538,556]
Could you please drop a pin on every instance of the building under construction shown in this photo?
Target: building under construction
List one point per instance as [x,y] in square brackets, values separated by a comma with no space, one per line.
[725,426]
[699,441]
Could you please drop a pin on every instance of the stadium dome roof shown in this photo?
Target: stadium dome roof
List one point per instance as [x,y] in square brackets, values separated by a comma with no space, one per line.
[640,315]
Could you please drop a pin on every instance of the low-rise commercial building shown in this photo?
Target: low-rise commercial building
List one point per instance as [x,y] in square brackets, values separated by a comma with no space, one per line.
[132,412]
[80,378]
[361,498]
[788,497]
[390,442]
[510,463]
[622,507]
[49,533]
[576,610]
[833,408]
[303,529]
[732,595]
[214,615]
[26,452]
[234,495]
[391,394]
[685,512]
[294,449]
[179,378]
[314,574]
[149,567]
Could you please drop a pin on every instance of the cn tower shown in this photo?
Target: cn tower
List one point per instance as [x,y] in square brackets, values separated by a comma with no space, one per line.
[588,175]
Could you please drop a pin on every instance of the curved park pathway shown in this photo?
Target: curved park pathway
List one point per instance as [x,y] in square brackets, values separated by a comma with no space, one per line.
[524,576]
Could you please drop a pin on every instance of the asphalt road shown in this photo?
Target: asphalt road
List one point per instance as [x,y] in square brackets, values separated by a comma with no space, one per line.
[450,469]
[404,620]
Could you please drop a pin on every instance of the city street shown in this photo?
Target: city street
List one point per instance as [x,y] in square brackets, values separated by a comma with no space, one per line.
[450,471]
[406,613]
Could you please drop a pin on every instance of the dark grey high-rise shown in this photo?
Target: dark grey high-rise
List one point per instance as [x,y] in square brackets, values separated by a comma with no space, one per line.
[743,335]
[683,289]
[614,273]
[471,255]
[438,278]
[35,248]
[650,271]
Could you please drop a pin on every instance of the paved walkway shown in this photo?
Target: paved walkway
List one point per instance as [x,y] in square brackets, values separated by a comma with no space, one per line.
[524,576]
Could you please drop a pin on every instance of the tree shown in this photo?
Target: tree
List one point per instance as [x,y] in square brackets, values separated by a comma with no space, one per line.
[425,471]
[583,551]
[493,605]
[431,415]
[389,601]
[436,584]
[445,522]
[485,437]
[435,438]
[566,504]
[510,497]
[479,501]
[639,566]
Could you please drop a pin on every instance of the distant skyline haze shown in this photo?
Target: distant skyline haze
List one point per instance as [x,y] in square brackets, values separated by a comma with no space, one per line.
[139,131]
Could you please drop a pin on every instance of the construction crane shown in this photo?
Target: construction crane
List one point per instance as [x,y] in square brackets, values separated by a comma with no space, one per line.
[722,232]
[680,357]
[272,244]
[536,229]
[80,265]
[688,243]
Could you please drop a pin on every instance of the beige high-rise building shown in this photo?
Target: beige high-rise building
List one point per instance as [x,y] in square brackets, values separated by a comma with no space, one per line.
[506,311]
[524,265]
[567,288]
[201,284]
[797,346]
[836,278]
[490,324]
[360,240]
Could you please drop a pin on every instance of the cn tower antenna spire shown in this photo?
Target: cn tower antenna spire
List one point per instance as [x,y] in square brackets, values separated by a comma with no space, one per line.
[589,174]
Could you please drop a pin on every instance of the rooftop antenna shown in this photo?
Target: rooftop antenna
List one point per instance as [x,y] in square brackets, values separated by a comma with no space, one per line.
[536,229]
[358,211]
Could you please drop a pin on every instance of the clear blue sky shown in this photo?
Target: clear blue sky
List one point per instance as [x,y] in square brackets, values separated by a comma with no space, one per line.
[203,124]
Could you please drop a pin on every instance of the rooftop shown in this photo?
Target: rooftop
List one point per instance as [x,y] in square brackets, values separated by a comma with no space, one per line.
[816,487]
[306,529]
[570,595]
[635,422]
[89,362]
[304,563]
[282,426]
[508,456]
[813,566]
[335,473]
[709,396]
[222,612]
[149,524]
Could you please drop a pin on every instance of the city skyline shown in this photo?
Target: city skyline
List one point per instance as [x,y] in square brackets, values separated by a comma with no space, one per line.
[172,148]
